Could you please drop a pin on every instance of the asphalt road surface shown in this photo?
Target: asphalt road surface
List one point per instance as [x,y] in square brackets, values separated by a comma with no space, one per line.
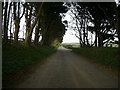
[65,69]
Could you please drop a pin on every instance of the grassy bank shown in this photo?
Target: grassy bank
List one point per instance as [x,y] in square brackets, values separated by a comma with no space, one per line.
[106,56]
[16,58]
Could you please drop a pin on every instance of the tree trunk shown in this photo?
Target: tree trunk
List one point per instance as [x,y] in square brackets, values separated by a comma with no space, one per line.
[5,38]
[96,39]
[36,36]
[16,21]
[27,39]
[100,40]
[84,32]
[8,17]
[2,10]
[16,31]
[37,32]
[29,26]
[11,35]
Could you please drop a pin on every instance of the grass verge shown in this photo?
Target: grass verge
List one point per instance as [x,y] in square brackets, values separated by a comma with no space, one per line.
[105,56]
[16,58]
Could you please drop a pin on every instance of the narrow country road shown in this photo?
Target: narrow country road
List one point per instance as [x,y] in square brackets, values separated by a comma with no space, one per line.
[64,69]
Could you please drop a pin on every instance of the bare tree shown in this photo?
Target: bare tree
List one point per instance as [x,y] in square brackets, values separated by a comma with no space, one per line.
[81,23]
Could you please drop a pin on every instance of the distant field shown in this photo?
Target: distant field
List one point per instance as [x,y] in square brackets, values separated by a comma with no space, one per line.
[71,44]
[78,45]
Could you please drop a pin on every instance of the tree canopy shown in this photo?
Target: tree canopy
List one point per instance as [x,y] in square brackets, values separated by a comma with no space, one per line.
[42,24]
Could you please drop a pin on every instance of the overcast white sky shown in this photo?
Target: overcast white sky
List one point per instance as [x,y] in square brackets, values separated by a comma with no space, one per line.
[69,38]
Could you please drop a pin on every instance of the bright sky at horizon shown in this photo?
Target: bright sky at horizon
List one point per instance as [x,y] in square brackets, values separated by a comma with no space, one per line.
[69,38]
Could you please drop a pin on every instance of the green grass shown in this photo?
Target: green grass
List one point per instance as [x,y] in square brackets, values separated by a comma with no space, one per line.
[16,58]
[105,56]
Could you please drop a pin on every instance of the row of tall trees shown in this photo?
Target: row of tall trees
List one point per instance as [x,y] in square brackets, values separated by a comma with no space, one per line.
[105,20]
[95,24]
[41,19]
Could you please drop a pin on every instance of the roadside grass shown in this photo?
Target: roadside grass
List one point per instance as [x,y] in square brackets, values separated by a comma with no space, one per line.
[16,58]
[105,56]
